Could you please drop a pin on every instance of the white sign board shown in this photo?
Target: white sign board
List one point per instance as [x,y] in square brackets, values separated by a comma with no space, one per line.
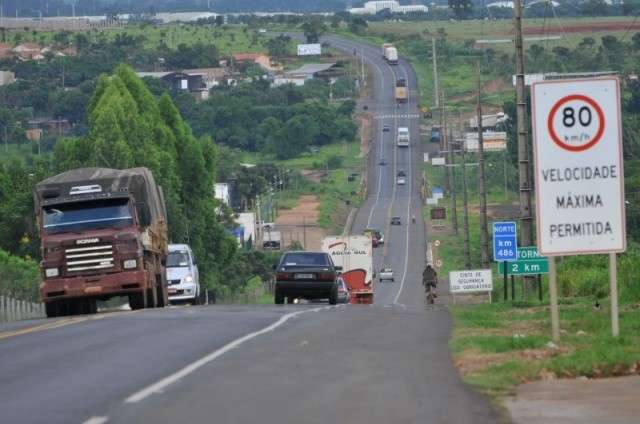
[432,201]
[309,49]
[478,280]
[437,161]
[426,157]
[578,166]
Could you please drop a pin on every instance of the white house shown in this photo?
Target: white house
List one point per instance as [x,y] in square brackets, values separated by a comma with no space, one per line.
[373,7]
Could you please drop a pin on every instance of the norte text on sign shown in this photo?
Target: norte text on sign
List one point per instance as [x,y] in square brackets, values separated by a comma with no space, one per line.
[505,241]
[578,166]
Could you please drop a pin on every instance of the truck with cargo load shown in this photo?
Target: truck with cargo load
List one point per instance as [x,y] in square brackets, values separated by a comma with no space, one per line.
[103,233]
[401,91]
[390,53]
[355,255]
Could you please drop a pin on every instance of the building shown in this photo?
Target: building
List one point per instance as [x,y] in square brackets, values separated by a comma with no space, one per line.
[28,51]
[222,192]
[492,141]
[47,127]
[7,77]
[176,81]
[211,77]
[373,7]
[325,71]
[6,51]
[489,121]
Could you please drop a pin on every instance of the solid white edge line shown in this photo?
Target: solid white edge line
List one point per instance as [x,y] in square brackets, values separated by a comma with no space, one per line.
[159,386]
[96,420]
[406,256]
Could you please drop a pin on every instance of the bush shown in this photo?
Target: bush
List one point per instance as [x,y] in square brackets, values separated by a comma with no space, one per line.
[334,162]
[19,278]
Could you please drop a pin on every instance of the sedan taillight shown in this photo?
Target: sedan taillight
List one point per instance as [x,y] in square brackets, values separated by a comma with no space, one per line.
[280,276]
[326,276]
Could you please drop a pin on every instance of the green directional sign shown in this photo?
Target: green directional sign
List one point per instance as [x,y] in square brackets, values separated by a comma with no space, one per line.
[529,263]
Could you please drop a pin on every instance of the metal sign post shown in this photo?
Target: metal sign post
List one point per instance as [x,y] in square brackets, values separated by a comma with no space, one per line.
[577,136]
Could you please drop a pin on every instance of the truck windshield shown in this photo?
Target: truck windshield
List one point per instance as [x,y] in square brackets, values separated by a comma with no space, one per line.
[177,259]
[75,217]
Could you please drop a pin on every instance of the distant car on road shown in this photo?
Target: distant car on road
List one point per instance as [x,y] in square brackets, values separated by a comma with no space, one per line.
[401,173]
[343,292]
[382,162]
[386,274]
[402,180]
[182,275]
[377,238]
[396,220]
[306,275]
[386,128]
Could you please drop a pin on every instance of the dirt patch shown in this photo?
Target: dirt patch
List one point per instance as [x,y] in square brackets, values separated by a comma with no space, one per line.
[499,211]
[585,401]
[472,360]
[583,27]
[365,123]
[301,224]
[314,175]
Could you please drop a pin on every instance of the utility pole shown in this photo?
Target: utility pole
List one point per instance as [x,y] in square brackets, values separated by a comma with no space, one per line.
[484,232]
[526,227]
[435,70]
[467,248]
[450,172]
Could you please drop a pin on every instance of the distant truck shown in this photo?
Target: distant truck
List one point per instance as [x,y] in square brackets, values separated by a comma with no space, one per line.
[271,240]
[103,234]
[435,134]
[403,137]
[390,53]
[401,91]
[355,255]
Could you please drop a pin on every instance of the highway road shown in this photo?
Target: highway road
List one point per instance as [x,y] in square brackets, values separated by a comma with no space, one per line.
[384,363]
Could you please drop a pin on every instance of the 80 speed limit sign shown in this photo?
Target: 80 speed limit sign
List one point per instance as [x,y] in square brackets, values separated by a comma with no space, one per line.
[578,166]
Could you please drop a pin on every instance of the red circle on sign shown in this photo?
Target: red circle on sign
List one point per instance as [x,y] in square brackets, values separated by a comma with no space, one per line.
[557,139]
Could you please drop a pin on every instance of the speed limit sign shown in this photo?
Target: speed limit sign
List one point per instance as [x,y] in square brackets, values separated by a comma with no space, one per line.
[578,166]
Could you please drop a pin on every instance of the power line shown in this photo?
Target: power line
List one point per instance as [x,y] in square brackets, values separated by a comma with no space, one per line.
[629,28]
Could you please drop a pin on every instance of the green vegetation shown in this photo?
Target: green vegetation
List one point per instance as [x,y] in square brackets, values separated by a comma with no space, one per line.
[514,345]
[19,278]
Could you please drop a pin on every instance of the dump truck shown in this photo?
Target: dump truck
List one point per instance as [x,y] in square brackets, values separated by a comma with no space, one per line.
[355,255]
[401,91]
[103,233]
[390,53]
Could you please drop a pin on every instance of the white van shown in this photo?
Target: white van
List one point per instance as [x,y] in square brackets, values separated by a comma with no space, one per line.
[403,137]
[182,275]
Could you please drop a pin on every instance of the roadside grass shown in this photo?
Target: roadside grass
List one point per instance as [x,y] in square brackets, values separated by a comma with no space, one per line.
[15,152]
[521,352]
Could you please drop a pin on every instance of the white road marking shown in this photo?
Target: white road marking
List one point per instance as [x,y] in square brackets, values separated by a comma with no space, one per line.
[96,420]
[406,255]
[381,138]
[159,386]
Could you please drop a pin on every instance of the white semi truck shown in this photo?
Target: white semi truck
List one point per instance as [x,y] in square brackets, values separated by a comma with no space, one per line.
[390,53]
[355,255]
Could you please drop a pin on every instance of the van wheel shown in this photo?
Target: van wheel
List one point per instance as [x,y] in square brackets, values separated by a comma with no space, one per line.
[279,297]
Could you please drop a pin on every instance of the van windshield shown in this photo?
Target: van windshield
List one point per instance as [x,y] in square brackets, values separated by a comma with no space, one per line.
[76,217]
[177,259]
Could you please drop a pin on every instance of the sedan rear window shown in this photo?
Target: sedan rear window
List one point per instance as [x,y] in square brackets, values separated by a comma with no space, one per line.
[306,259]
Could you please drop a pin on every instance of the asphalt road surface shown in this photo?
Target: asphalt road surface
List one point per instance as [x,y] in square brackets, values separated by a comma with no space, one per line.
[384,363]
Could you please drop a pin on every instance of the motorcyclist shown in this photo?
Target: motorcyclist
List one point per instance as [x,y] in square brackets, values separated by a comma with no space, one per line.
[430,280]
[413,218]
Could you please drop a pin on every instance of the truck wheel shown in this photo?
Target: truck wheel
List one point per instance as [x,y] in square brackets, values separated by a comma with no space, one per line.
[52,309]
[279,297]
[137,301]
[333,296]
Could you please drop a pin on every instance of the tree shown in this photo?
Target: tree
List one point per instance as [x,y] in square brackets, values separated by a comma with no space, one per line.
[462,9]
[278,46]
[313,29]
[358,25]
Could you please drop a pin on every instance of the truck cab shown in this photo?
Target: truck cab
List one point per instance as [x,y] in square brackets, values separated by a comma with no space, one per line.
[103,234]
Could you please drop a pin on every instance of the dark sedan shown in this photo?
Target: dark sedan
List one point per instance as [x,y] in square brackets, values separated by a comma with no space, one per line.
[306,275]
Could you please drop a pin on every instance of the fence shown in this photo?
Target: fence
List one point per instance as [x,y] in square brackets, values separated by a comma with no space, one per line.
[15,310]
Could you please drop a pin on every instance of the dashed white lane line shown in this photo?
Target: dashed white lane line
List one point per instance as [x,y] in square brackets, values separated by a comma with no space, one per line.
[159,386]
[96,420]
